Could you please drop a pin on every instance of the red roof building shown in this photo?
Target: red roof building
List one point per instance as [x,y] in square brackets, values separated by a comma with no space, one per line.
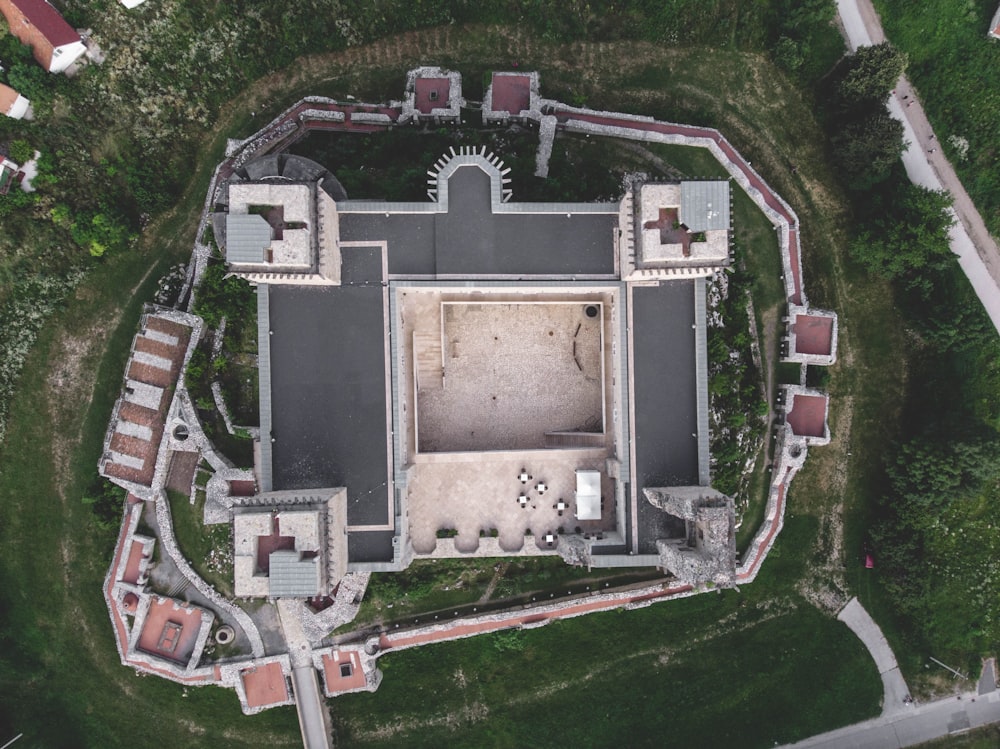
[53,42]
[12,104]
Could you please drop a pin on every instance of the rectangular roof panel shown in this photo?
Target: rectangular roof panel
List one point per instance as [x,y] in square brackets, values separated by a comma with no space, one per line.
[666,418]
[328,394]
[705,205]
[247,238]
[291,576]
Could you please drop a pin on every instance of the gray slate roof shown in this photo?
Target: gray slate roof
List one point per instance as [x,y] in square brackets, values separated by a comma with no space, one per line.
[705,205]
[291,576]
[247,238]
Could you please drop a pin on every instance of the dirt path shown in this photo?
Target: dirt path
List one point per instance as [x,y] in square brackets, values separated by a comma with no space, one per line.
[500,572]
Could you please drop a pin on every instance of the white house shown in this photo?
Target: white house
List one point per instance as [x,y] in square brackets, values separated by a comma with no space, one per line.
[13,104]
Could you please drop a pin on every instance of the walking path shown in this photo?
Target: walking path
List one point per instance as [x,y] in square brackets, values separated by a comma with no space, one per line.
[309,702]
[988,678]
[896,693]
[532,616]
[903,722]
[926,165]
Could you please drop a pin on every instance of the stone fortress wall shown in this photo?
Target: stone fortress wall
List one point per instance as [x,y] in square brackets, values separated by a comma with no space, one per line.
[313,113]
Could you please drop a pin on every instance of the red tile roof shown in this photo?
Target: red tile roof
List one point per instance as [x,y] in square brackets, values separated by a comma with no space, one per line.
[170,630]
[47,20]
[7,98]
[511,93]
[813,334]
[265,685]
[423,88]
[336,680]
[807,416]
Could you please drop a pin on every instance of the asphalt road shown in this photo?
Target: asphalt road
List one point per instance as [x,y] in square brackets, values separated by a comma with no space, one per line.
[926,165]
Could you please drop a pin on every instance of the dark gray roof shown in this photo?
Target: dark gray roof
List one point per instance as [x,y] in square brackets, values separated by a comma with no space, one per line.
[291,576]
[328,394]
[472,239]
[369,546]
[705,205]
[247,238]
[666,420]
[265,166]
[288,168]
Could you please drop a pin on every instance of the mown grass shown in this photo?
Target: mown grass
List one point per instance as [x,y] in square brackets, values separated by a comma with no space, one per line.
[768,669]
[771,122]
[198,541]
[53,557]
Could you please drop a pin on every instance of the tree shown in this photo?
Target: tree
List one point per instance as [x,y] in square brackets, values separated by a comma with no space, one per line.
[870,74]
[867,149]
[787,54]
[908,239]
[99,232]
[21,151]
[106,502]
[929,474]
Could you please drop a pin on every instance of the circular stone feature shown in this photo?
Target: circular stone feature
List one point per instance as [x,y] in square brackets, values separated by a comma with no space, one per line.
[591,310]
[181,432]
[224,634]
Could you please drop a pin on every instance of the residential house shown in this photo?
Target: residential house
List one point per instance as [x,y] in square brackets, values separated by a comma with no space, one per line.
[53,42]
[13,104]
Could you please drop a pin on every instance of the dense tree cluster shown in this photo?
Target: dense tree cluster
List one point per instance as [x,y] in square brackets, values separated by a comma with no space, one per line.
[867,142]
[932,529]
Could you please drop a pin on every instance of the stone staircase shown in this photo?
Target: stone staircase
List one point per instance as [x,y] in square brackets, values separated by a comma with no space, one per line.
[427,354]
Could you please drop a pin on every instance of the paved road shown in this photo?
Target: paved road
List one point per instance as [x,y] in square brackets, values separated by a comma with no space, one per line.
[978,254]
[309,702]
[988,678]
[309,705]
[915,725]
[894,688]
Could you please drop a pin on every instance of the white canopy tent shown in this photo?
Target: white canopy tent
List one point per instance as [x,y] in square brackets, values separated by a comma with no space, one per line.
[588,495]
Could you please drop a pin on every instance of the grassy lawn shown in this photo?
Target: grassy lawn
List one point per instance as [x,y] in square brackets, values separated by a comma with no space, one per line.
[770,668]
[204,546]
[444,585]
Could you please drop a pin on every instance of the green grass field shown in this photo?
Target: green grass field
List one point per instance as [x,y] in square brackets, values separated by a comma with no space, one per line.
[197,541]
[742,669]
